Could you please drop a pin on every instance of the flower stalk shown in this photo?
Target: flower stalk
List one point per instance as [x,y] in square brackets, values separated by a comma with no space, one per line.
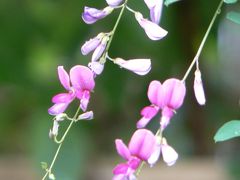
[196,58]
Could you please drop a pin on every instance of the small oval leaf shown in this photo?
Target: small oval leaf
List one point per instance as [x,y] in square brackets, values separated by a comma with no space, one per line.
[234,16]
[228,131]
[168,2]
[230,1]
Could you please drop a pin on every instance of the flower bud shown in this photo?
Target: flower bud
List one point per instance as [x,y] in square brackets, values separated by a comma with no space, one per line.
[100,49]
[198,88]
[138,66]
[86,116]
[92,44]
[91,15]
[96,67]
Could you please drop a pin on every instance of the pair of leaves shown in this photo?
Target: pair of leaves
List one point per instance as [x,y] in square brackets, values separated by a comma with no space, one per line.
[228,131]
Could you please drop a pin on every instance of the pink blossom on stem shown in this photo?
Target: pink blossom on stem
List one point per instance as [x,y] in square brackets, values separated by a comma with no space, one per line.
[82,81]
[167,97]
[155,7]
[138,66]
[139,149]
[153,31]
[198,88]
[114,3]
[91,15]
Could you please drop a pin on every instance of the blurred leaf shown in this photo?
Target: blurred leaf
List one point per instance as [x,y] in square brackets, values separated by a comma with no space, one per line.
[44,165]
[234,17]
[229,130]
[230,1]
[168,2]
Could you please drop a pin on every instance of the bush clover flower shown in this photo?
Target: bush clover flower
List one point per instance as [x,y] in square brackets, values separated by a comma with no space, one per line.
[198,88]
[114,3]
[82,83]
[153,31]
[91,15]
[138,66]
[167,97]
[140,148]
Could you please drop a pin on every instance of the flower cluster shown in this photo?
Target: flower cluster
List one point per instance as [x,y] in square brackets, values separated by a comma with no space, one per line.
[99,44]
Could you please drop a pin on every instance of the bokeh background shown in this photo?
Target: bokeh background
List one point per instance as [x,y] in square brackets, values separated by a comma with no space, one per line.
[37,36]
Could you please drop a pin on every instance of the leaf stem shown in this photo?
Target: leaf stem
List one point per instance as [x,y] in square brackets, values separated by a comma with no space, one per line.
[195,60]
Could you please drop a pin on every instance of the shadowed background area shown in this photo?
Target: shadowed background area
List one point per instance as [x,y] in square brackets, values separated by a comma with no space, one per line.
[37,36]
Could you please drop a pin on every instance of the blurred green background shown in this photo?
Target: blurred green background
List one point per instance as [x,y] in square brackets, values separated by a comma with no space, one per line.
[37,36]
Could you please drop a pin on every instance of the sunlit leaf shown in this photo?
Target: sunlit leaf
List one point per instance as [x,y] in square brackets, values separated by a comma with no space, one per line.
[228,131]
[234,16]
[230,1]
[168,2]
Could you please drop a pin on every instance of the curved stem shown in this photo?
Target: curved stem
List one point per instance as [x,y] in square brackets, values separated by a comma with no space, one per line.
[116,25]
[217,12]
[60,142]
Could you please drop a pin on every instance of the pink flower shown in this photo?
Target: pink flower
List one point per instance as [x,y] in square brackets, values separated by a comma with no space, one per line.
[138,66]
[139,149]
[155,7]
[153,31]
[82,81]
[169,155]
[198,88]
[168,97]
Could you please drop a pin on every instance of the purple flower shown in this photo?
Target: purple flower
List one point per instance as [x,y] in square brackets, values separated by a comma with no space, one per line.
[168,97]
[82,81]
[96,67]
[155,7]
[114,3]
[140,148]
[138,66]
[153,31]
[169,155]
[91,15]
[92,44]
[198,88]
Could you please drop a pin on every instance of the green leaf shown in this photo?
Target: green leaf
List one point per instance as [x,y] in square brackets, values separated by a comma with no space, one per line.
[229,130]
[230,1]
[234,16]
[168,2]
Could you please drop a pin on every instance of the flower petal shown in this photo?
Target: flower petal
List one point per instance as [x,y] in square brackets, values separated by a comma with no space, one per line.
[198,88]
[142,144]
[85,100]
[170,156]
[96,67]
[153,31]
[58,108]
[91,15]
[90,45]
[114,2]
[155,155]
[63,77]
[100,49]
[138,66]
[121,169]
[82,78]
[174,93]
[63,98]
[122,149]
[155,92]
[148,113]
[86,116]
[156,11]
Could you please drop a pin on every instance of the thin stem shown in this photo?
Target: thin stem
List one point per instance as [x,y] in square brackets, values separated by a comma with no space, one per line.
[48,171]
[217,12]
[116,25]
